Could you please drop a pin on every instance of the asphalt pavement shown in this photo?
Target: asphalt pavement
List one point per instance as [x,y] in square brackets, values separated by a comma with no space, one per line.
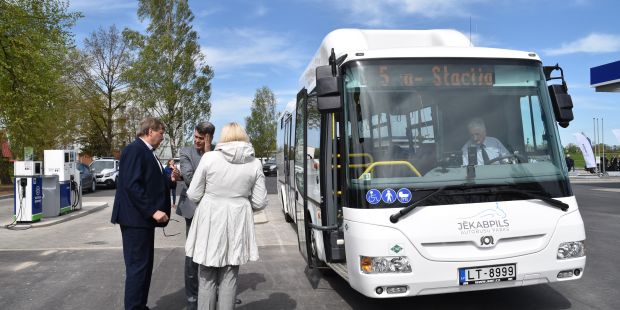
[78,264]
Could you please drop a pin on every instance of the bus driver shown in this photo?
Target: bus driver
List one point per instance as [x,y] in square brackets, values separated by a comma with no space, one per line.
[487,148]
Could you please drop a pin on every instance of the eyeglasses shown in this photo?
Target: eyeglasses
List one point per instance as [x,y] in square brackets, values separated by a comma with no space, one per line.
[164,230]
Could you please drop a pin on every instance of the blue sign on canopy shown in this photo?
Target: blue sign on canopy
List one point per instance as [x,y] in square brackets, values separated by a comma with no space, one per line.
[606,78]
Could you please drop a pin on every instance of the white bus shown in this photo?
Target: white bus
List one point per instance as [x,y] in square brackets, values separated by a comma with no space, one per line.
[415,163]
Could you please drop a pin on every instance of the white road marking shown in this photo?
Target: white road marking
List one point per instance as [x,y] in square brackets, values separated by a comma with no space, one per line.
[613,190]
[48,252]
[24,265]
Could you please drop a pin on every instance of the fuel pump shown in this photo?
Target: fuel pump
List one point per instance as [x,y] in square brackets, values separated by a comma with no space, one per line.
[63,163]
[27,206]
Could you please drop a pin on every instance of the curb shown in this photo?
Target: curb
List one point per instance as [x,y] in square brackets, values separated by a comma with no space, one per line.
[260,217]
[72,216]
[68,217]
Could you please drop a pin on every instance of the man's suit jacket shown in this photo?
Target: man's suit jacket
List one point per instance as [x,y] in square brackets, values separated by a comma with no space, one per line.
[142,188]
[189,159]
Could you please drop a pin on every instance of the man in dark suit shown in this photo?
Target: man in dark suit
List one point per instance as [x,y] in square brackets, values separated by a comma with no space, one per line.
[141,203]
[189,159]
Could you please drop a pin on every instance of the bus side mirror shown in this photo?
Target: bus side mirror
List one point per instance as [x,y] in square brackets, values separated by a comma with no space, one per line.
[328,90]
[562,104]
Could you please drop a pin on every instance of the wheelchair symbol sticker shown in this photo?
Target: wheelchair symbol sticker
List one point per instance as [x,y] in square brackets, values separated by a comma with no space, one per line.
[373,196]
[403,195]
[388,195]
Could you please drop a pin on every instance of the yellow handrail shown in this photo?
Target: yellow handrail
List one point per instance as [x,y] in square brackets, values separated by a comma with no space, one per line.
[390,163]
[361,155]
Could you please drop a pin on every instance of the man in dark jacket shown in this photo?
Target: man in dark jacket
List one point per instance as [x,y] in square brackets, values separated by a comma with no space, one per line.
[189,160]
[141,203]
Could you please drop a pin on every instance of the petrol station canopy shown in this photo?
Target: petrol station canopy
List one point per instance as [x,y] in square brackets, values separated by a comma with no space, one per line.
[606,78]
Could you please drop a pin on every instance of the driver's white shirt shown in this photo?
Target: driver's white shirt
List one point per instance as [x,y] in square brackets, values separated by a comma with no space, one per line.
[493,146]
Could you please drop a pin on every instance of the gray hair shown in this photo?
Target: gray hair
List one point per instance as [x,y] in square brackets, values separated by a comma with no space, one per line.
[205,128]
[148,123]
[477,123]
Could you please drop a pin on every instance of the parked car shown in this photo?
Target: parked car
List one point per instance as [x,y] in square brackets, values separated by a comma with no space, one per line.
[106,171]
[87,179]
[269,167]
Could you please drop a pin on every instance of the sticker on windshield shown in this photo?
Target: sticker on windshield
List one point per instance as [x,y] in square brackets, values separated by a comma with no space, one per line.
[388,195]
[373,196]
[404,195]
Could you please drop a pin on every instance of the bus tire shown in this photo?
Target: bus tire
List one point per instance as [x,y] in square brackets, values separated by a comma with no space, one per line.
[316,262]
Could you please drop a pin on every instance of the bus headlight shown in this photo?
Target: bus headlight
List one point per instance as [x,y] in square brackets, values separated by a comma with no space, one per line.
[384,264]
[571,249]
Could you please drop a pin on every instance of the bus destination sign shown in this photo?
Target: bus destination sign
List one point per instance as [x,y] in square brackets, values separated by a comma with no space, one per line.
[440,75]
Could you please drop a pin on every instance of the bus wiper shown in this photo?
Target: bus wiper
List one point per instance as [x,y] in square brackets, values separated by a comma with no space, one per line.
[466,190]
[527,193]
[404,211]
[538,195]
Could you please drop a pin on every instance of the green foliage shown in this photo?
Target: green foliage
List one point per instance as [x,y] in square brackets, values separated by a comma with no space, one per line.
[36,105]
[577,156]
[170,79]
[99,74]
[261,124]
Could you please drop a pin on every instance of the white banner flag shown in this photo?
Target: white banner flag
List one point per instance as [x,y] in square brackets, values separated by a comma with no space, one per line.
[586,149]
[616,133]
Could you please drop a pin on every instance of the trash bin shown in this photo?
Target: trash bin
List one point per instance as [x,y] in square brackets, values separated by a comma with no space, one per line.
[51,196]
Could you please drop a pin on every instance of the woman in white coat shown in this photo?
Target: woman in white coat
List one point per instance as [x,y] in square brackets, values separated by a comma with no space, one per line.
[227,186]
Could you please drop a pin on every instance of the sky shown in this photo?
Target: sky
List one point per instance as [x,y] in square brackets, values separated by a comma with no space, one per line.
[256,43]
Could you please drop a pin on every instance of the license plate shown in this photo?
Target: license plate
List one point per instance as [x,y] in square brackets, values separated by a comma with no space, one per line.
[487,274]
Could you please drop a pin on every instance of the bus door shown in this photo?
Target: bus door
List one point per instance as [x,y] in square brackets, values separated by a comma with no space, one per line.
[332,177]
[287,165]
[299,172]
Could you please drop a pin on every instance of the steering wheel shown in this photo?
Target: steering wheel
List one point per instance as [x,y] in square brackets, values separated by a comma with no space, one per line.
[520,158]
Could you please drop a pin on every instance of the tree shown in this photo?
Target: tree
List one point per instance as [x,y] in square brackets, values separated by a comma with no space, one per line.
[571,148]
[100,76]
[261,124]
[170,79]
[36,104]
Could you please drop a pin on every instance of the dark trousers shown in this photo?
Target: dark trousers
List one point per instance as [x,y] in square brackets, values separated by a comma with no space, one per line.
[173,192]
[138,251]
[191,276]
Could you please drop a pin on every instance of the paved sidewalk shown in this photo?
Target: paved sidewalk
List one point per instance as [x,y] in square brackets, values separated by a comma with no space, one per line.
[6,215]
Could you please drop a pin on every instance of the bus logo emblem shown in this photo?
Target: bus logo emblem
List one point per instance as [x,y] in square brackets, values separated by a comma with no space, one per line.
[397,248]
[487,241]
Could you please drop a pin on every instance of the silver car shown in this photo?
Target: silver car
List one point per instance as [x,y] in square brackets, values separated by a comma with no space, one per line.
[87,178]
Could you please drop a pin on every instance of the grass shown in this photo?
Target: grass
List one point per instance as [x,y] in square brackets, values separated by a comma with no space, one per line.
[580,163]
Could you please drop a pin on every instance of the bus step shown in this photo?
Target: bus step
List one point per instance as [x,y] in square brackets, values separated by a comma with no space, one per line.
[340,269]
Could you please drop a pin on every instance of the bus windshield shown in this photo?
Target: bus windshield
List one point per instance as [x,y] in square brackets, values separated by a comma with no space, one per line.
[422,124]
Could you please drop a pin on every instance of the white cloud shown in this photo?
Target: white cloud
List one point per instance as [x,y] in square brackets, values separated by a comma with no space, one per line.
[230,104]
[290,106]
[382,13]
[245,46]
[593,43]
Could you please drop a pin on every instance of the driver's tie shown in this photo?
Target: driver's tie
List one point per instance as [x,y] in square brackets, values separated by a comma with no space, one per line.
[485,156]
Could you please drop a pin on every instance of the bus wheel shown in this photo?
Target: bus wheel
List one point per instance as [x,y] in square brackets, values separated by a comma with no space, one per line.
[287,217]
[316,262]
